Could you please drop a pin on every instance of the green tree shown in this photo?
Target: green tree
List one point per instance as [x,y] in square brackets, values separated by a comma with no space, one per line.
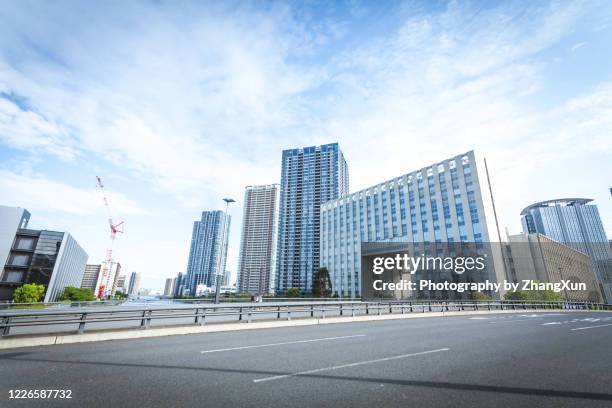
[293,292]
[77,294]
[534,295]
[28,293]
[479,296]
[321,283]
[119,295]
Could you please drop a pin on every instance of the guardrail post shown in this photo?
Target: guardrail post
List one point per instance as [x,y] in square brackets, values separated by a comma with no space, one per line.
[379,307]
[143,322]
[240,315]
[341,309]
[6,326]
[489,305]
[461,305]
[311,310]
[390,308]
[446,303]
[197,316]
[352,310]
[250,315]
[429,303]
[367,309]
[150,312]
[411,309]
[82,323]
[278,313]
[203,321]
[288,313]
[323,312]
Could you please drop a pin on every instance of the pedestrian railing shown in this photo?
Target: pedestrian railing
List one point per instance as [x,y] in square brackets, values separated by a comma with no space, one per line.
[67,320]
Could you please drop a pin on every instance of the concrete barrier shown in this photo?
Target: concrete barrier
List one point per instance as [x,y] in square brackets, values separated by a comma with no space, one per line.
[48,340]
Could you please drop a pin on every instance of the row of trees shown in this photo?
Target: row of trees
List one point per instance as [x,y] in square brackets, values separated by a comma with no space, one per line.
[321,287]
[33,293]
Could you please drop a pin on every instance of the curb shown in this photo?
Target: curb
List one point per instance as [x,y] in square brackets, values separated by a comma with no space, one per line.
[49,340]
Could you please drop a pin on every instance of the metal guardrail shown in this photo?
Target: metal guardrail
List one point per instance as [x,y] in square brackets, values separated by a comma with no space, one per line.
[157,301]
[143,316]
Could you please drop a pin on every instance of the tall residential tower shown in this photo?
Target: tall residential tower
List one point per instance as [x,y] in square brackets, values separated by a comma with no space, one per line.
[257,264]
[310,176]
[208,253]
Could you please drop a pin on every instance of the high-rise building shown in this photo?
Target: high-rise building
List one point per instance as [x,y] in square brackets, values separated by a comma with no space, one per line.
[257,262]
[179,285]
[574,222]
[121,283]
[11,220]
[169,287]
[208,251]
[537,257]
[425,210]
[134,284]
[50,258]
[107,279]
[310,176]
[90,277]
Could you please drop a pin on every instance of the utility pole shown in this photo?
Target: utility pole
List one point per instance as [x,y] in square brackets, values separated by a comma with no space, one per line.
[220,273]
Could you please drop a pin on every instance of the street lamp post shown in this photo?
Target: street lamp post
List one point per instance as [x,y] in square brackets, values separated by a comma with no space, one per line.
[222,251]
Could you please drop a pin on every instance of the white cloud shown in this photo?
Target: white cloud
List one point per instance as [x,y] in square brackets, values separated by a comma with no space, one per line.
[38,193]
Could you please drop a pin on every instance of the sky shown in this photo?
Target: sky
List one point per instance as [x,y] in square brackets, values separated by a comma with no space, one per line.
[176,105]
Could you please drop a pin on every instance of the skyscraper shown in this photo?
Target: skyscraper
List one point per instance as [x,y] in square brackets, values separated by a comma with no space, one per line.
[208,253]
[310,176]
[438,204]
[169,287]
[576,223]
[121,283]
[134,284]
[90,277]
[179,284]
[257,263]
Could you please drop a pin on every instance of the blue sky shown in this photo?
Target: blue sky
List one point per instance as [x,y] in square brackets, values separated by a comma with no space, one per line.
[176,105]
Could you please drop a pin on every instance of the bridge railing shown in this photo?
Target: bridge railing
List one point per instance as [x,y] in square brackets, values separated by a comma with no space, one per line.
[49,321]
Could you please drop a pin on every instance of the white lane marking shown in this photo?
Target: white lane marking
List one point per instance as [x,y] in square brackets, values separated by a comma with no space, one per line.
[591,327]
[318,370]
[281,344]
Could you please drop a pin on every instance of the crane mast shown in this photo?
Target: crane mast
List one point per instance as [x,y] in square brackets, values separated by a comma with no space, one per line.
[114,229]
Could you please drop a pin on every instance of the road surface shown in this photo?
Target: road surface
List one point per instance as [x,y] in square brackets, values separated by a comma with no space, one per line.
[507,360]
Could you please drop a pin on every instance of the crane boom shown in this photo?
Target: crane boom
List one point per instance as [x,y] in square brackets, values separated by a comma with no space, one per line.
[104,279]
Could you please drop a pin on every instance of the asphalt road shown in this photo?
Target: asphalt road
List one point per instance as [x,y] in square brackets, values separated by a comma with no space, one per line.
[511,360]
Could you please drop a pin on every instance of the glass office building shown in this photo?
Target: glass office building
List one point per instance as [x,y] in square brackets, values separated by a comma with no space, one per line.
[576,223]
[50,258]
[208,250]
[310,176]
[438,204]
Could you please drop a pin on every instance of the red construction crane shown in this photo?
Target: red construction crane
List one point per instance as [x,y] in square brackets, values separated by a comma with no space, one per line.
[114,228]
